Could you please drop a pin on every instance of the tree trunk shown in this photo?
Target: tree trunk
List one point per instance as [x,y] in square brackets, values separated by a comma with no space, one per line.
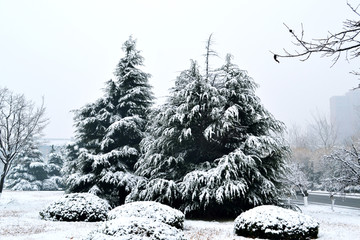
[1,184]
[2,178]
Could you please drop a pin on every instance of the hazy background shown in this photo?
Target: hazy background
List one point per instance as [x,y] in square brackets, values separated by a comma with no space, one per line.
[65,50]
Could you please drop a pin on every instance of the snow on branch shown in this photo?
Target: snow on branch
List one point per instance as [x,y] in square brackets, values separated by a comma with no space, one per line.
[334,44]
[343,168]
[159,190]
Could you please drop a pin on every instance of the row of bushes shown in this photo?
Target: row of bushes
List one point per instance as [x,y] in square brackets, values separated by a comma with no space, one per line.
[152,220]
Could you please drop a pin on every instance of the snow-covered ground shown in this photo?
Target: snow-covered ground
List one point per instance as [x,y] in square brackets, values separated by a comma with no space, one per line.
[19,219]
[342,223]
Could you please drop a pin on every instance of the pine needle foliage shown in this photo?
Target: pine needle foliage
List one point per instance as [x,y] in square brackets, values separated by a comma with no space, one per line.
[29,171]
[212,150]
[109,131]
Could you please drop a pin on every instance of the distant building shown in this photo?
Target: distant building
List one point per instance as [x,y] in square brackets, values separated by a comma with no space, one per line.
[345,114]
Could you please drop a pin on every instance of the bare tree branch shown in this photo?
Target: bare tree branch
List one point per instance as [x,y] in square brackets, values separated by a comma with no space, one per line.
[343,167]
[20,121]
[209,52]
[324,131]
[346,41]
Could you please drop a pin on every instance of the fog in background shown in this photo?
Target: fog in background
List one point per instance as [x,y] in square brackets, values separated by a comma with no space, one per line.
[65,50]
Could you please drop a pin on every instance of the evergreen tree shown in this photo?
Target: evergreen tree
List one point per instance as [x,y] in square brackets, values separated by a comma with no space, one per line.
[213,149]
[55,162]
[54,165]
[29,171]
[109,132]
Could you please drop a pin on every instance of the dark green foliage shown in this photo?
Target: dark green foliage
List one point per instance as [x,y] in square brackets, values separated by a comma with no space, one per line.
[54,165]
[254,231]
[29,171]
[215,143]
[55,162]
[109,131]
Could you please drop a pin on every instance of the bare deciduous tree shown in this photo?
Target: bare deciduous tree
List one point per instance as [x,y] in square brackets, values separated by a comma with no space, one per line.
[309,145]
[324,132]
[20,121]
[345,41]
[297,178]
[343,168]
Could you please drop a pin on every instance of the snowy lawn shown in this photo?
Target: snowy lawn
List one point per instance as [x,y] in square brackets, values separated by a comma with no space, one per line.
[19,219]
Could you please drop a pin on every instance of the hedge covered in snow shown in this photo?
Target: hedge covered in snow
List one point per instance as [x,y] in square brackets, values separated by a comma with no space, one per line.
[141,220]
[135,228]
[149,209]
[274,222]
[77,207]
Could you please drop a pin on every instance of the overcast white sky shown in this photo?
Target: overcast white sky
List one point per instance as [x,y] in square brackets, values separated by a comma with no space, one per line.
[65,50]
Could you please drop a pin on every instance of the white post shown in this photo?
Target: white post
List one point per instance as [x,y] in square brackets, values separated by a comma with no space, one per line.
[332,204]
[305,201]
[332,198]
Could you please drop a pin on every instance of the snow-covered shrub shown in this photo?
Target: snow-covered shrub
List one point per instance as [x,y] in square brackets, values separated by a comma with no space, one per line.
[77,207]
[135,228]
[274,222]
[148,209]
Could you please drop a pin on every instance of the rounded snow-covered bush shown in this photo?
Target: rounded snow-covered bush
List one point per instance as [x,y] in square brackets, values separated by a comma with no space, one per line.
[274,222]
[149,209]
[135,228]
[77,207]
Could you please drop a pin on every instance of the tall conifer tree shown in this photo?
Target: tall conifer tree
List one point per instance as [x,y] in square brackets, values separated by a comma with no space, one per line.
[54,165]
[109,132]
[213,149]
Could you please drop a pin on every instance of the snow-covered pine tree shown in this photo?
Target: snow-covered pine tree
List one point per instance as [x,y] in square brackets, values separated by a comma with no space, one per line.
[178,143]
[29,171]
[214,150]
[109,131]
[55,163]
